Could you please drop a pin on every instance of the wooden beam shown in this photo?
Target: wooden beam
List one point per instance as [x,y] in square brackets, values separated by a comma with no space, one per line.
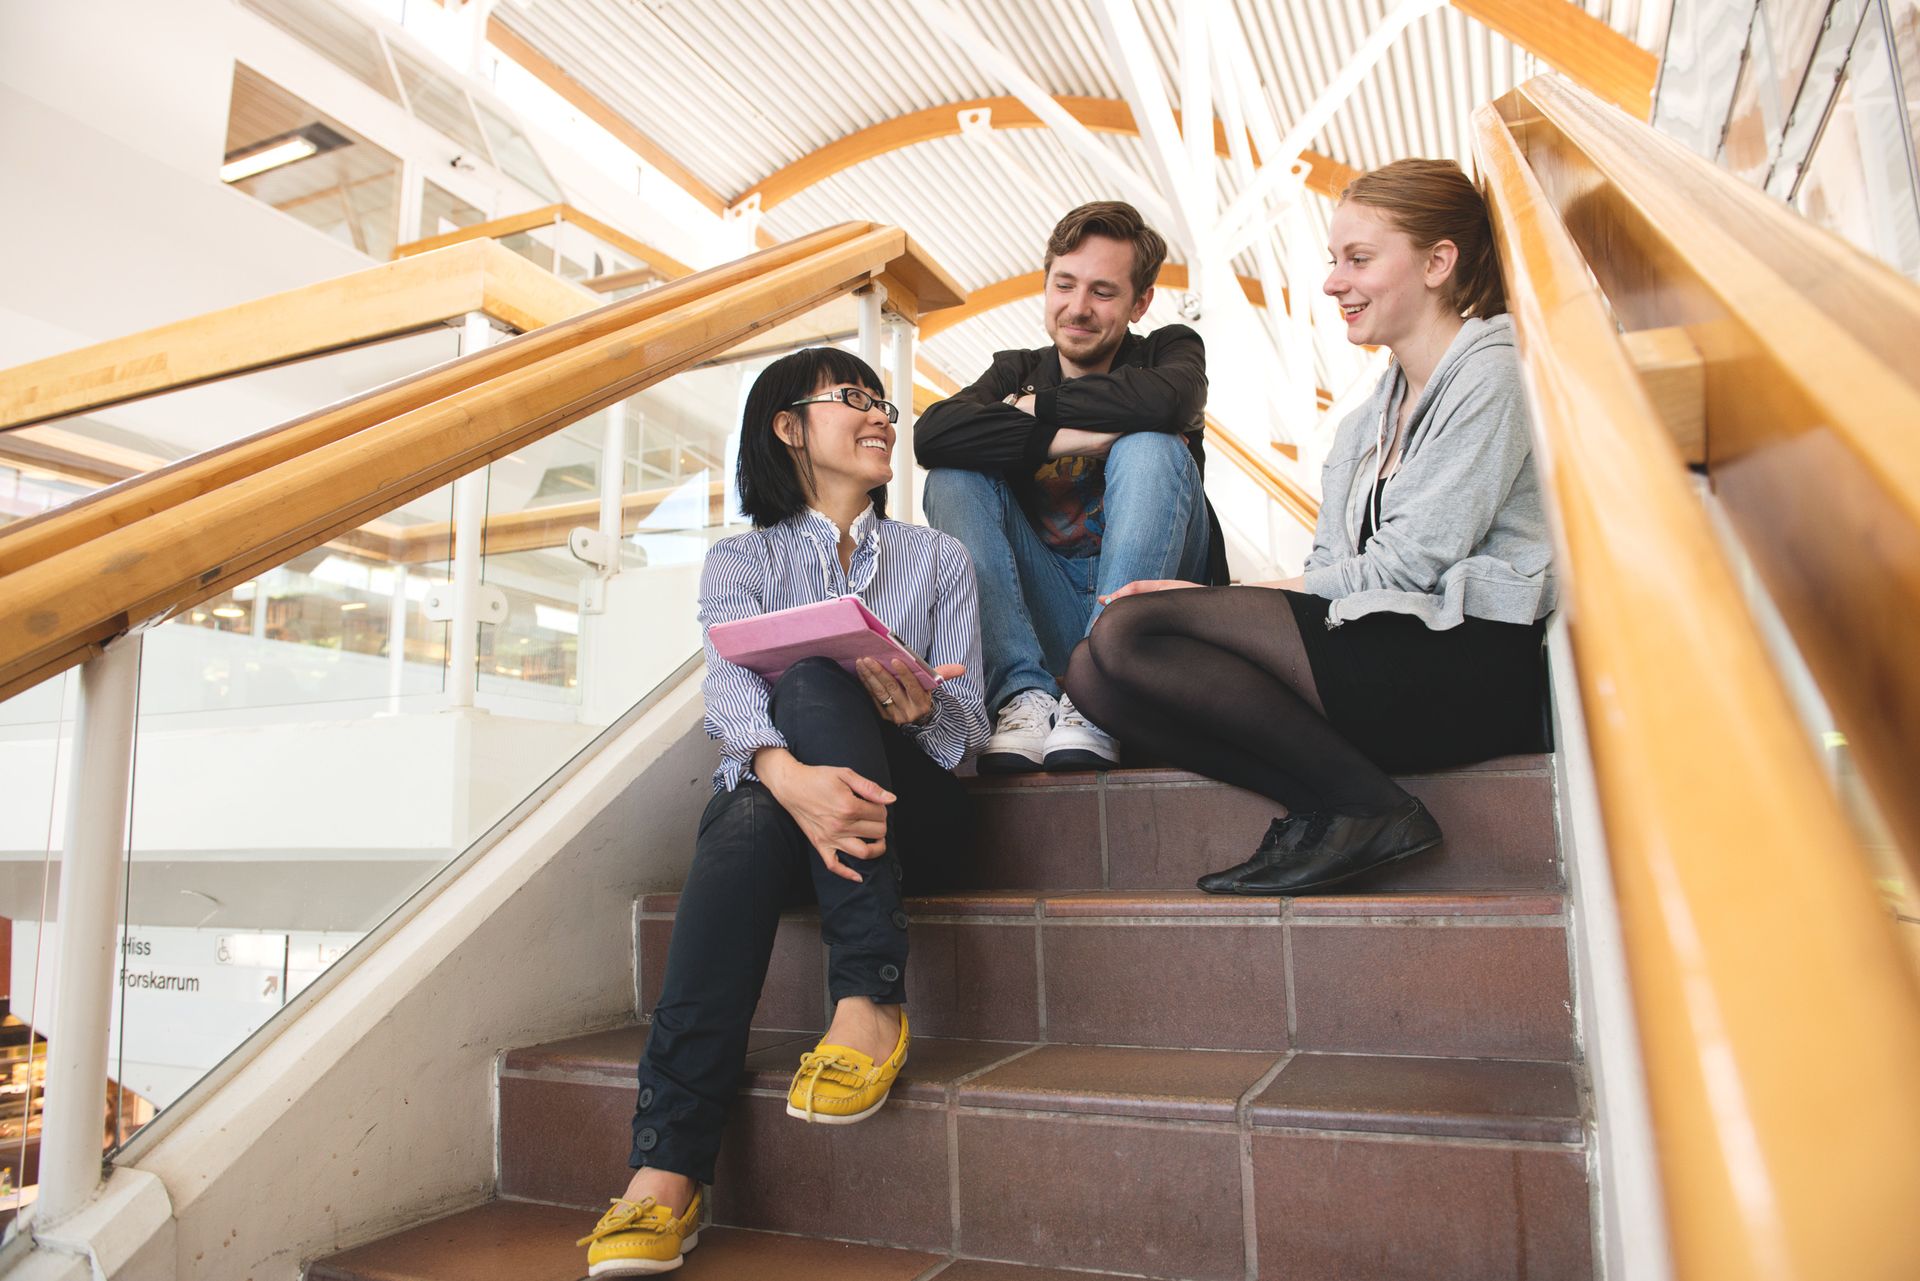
[53,610]
[1742,888]
[1284,491]
[1173,275]
[1676,379]
[1329,177]
[367,306]
[593,107]
[1576,44]
[663,263]
[542,527]
[31,541]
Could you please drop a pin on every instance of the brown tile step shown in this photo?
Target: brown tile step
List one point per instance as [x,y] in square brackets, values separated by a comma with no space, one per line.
[1440,973]
[1154,829]
[519,1241]
[1044,1155]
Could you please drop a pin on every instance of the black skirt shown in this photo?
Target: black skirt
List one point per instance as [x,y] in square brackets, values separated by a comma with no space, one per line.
[1413,698]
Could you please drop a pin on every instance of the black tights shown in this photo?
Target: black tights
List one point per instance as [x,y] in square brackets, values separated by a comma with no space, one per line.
[1217,681]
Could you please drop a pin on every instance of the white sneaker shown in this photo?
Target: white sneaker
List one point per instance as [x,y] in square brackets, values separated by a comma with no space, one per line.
[1077,743]
[1019,742]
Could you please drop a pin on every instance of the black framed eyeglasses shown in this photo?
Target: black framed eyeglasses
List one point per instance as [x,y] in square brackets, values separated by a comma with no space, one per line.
[855,398]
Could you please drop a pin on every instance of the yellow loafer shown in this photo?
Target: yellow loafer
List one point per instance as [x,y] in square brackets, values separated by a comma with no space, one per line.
[838,1086]
[639,1238]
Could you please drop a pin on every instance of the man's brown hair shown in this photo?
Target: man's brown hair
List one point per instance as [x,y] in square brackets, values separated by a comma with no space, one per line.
[1117,220]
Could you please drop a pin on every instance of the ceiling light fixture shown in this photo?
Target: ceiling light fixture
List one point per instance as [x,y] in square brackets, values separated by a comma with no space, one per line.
[281,149]
[229,611]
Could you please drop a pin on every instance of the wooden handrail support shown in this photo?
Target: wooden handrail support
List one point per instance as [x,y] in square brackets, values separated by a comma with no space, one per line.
[1779,1019]
[30,541]
[1812,395]
[56,610]
[663,263]
[1283,489]
[387,301]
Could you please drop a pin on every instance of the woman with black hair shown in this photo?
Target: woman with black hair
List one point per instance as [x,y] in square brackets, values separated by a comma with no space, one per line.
[826,780]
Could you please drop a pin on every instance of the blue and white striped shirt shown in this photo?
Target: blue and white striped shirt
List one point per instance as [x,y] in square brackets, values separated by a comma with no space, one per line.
[918,581]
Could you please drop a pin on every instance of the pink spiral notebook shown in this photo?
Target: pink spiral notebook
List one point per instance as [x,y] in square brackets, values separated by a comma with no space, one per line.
[843,629]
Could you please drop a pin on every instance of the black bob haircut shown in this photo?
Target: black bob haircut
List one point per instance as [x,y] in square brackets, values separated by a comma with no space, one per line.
[770,477]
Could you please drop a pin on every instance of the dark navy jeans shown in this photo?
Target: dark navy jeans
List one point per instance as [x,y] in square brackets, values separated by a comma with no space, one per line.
[750,863]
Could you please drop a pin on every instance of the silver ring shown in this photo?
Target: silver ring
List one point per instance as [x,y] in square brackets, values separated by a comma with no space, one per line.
[887,701]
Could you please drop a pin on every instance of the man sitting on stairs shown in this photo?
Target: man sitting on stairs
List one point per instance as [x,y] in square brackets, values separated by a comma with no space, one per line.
[1069,471]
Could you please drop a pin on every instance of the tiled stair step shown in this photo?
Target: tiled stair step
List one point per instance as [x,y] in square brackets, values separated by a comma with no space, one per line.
[1160,829]
[1466,974]
[1136,1161]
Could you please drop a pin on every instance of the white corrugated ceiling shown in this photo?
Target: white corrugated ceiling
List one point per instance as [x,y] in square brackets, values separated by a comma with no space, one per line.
[737,89]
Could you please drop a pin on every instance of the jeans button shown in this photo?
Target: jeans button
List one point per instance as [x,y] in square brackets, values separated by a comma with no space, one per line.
[646,1139]
[899,919]
[646,1096]
[889,973]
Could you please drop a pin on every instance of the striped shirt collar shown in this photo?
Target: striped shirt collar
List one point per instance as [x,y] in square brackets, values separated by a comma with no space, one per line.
[819,529]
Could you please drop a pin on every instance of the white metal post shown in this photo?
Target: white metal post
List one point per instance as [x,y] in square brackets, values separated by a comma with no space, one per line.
[900,390]
[92,876]
[870,299]
[613,477]
[469,525]
[397,640]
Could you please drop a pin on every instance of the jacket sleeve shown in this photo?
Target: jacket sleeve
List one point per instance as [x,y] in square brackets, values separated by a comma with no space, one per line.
[731,584]
[1450,491]
[977,430]
[1168,393]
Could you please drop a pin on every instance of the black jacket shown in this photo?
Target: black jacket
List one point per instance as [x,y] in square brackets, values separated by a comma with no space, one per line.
[1156,383]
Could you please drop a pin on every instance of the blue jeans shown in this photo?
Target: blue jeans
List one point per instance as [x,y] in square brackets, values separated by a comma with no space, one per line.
[1035,604]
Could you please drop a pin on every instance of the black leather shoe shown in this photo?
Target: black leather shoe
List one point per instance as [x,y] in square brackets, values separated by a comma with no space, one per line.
[1304,852]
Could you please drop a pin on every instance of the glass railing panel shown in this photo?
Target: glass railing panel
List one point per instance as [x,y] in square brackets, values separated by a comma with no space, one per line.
[305,761]
[36,729]
[64,458]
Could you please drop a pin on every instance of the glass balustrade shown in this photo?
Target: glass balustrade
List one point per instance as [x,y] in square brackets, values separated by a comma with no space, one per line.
[306,758]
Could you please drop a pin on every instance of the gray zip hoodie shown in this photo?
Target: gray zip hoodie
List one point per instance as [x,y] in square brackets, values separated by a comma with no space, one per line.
[1461,529]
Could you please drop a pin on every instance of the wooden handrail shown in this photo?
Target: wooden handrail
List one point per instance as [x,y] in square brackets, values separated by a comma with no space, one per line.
[663,263]
[1812,399]
[374,305]
[1779,1020]
[1286,492]
[27,542]
[56,611]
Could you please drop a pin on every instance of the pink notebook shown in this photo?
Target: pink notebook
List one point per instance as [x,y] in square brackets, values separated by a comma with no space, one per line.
[842,629]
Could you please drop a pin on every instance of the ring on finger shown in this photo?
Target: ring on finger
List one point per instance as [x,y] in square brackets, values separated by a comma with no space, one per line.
[887,701]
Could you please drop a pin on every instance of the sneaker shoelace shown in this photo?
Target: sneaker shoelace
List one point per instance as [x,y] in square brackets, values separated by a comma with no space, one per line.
[629,1216]
[1071,716]
[840,1070]
[1023,713]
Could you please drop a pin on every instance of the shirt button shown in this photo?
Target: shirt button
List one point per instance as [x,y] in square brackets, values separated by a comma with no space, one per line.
[646,1096]
[889,973]
[899,920]
[646,1139]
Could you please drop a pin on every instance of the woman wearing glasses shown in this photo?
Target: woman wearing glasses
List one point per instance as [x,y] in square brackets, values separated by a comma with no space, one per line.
[832,786]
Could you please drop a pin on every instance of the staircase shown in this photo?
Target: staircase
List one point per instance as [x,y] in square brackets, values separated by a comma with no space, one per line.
[1115,1074]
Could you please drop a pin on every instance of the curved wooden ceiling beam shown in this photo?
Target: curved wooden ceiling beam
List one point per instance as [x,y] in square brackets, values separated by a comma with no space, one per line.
[1102,115]
[1015,288]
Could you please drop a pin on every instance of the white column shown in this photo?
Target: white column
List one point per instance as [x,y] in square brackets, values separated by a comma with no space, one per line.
[902,493]
[397,640]
[469,526]
[92,876]
[613,474]
[869,299]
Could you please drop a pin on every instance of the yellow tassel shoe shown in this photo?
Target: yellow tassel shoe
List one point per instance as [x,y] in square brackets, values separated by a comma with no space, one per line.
[639,1238]
[837,1085]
